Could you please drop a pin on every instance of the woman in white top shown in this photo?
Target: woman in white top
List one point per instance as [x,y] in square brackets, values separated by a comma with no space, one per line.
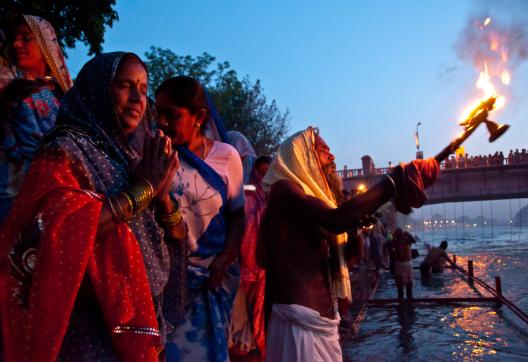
[209,188]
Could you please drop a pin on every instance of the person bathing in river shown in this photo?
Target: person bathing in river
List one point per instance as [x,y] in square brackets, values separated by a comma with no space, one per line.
[434,260]
[402,261]
[302,239]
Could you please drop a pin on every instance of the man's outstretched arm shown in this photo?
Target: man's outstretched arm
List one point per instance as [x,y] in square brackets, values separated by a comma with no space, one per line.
[313,211]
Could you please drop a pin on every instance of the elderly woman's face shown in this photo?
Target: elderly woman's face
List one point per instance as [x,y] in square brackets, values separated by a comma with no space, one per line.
[26,51]
[129,94]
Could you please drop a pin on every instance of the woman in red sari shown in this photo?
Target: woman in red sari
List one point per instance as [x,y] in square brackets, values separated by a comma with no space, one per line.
[252,277]
[84,260]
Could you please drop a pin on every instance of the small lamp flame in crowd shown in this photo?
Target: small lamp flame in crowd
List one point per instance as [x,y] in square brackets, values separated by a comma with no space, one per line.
[361,188]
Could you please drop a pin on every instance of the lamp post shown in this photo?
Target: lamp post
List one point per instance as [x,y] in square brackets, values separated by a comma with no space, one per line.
[419,154]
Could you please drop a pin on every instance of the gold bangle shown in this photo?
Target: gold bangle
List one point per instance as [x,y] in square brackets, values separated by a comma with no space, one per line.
[123,213]
[112,209]
[129,201]
[172,219]
[149,185]
[141,194]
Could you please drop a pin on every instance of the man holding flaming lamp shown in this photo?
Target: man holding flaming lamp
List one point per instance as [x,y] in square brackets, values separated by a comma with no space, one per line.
[302,241]
[303,236]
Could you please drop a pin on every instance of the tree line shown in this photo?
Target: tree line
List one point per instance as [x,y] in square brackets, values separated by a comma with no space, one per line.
[240,101]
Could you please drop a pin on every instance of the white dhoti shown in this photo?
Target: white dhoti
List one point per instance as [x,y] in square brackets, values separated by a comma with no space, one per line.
[298,333]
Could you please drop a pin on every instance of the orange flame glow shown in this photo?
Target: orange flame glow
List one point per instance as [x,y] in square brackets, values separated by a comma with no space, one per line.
[485,23]
[505,77]
[488,73]
[484,83]
[494,44]
[361,188]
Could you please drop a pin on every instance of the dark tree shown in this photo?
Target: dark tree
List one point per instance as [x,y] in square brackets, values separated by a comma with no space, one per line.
[240,102]
[83,20]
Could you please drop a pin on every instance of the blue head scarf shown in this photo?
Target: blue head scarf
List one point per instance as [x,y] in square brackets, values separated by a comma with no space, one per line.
[89,129]
[88,107]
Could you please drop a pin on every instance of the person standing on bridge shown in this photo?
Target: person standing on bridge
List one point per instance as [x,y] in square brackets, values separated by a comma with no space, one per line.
[302,241]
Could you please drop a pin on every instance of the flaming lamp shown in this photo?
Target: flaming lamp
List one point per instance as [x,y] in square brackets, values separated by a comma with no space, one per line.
[477,116]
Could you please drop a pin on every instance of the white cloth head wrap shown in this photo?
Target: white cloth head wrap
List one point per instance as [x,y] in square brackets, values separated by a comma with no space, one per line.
[297,161]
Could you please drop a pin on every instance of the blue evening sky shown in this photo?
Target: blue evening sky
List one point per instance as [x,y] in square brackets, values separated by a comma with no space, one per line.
[364,72]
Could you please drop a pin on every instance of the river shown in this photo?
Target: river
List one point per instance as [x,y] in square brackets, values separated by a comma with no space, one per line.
[467,332]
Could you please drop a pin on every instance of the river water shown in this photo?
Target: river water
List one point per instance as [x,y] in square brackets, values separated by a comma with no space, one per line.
[462,332]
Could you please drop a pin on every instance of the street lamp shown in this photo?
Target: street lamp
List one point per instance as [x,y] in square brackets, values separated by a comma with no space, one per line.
[419,154]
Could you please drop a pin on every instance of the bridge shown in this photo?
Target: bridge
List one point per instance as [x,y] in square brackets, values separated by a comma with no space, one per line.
[492,179]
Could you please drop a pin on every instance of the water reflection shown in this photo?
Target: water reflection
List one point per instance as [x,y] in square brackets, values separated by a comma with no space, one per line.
[406,320]
[477,323]
[453,332]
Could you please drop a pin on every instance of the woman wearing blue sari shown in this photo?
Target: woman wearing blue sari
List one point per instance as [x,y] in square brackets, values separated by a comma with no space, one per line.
[209,189]
[30,94]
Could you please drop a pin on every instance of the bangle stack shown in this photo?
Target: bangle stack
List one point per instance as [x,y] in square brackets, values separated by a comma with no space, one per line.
[172,219]
[118,213]
[117,216]
[138,196]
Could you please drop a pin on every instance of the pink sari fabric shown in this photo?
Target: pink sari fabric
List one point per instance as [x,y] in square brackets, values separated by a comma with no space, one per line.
[252,277]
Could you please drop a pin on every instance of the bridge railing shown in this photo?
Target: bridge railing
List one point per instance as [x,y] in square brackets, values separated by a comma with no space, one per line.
[359,172]
[451,164]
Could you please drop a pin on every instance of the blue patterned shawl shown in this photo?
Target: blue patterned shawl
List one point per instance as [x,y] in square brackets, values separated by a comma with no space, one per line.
[87,121]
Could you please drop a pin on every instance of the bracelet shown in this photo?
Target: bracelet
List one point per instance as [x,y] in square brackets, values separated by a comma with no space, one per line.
[123,213]
[149,185]
[141,194]
[118,214]
[115,216]
[172,219]
[129,201]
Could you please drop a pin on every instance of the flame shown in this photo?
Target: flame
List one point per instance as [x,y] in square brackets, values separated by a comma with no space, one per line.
[505,77]
[494,42]
[492,67]
[485,23]
[484,83]
[504,56]
[500,102]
